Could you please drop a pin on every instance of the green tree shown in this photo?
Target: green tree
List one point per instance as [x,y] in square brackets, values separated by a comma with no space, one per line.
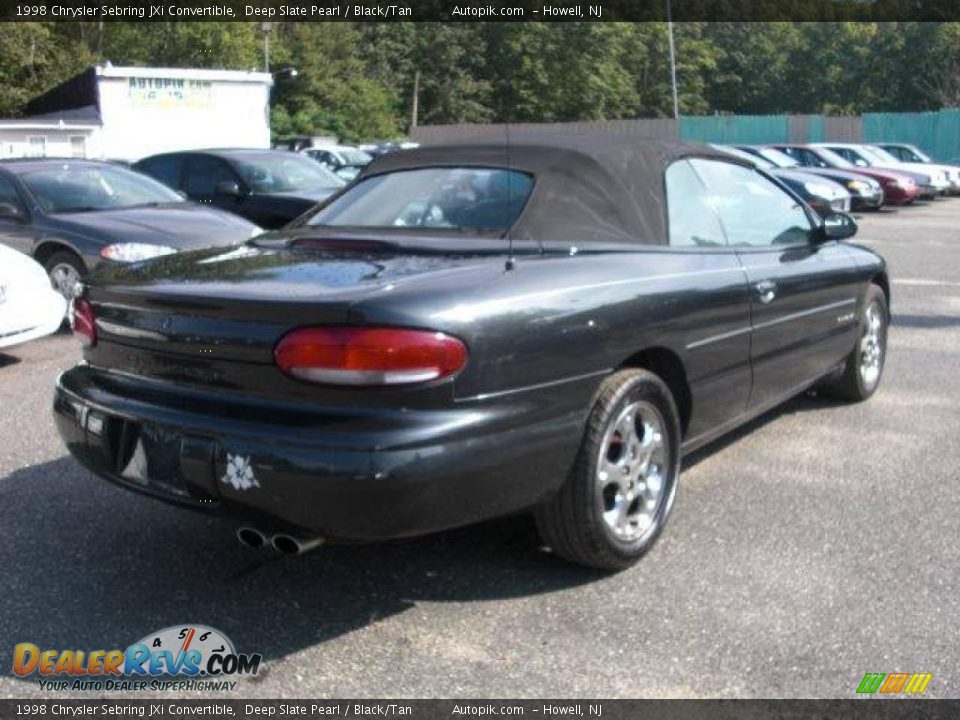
[741,84]
[927,68]
[568,71]
[33,58]
[331,93]
[228,45]
[356,80]
[649,64]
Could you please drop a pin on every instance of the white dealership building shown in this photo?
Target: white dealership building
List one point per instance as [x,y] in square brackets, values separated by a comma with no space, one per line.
[126,113]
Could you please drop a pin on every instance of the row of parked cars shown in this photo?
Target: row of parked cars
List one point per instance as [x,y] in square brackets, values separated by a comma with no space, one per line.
[71,216]
[74,215]
[854,176]
[347,161]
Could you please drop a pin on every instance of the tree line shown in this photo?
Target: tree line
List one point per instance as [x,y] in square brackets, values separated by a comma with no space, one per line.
[357,80]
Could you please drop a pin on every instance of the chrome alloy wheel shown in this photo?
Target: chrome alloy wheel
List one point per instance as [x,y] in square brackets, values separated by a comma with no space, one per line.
[65,279]
[871,346]
[632,471]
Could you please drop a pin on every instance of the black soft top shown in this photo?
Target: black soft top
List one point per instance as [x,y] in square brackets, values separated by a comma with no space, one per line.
[589,187]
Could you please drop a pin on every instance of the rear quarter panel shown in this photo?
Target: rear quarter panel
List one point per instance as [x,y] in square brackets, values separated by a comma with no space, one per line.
[570,320]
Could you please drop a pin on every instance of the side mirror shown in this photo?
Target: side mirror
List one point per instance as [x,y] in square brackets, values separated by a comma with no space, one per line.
[228,188]
[8,211]
[838,226]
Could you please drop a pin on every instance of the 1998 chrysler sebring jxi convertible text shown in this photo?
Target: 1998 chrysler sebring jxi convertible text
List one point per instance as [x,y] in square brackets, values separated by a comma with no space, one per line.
[474,330]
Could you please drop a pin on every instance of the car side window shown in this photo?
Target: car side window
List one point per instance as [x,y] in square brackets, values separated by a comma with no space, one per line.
[803,156]
[692,219]
[203,174]
[754,211]
[810,159]
[166,169]
[794,153]
[849,156]
[10,196]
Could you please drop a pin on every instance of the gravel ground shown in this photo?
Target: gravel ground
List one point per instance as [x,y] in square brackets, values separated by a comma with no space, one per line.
[814,545]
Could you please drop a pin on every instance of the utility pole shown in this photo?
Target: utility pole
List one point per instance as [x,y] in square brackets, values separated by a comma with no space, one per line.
[415,111]
[265,28]
[673,64]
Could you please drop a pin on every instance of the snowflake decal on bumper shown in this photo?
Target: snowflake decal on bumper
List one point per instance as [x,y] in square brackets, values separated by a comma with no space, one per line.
[239,473]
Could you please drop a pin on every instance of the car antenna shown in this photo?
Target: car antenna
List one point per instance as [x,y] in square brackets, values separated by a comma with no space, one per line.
[511,263]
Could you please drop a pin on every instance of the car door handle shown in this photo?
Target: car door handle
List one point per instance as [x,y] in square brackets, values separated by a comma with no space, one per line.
[766,291]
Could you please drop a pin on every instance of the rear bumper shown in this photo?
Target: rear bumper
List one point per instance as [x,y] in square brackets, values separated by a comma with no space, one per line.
[32,317]
[345,473]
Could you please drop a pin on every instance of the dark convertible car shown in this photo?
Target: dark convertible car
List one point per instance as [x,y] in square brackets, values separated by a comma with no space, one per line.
[470,331]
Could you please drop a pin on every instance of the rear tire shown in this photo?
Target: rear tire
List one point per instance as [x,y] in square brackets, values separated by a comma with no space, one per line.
[616,500]
[864,365]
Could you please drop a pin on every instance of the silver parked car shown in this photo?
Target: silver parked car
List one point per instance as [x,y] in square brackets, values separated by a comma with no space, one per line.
[905,152]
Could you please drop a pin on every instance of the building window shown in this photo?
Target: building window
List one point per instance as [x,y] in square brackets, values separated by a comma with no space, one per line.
[36,146]
[78,146]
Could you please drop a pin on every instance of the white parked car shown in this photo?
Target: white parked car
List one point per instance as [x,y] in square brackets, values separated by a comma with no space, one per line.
[940,173]
[345,161]
[29,306]
[905,152]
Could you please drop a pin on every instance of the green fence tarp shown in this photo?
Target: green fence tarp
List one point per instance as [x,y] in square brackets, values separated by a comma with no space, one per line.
[936,133]
[815,129]
[746,129]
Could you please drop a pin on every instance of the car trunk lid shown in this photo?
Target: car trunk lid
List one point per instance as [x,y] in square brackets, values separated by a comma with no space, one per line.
[214,317]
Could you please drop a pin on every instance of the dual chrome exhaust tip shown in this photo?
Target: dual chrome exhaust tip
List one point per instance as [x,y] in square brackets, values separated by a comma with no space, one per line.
[251,537]
[281,542]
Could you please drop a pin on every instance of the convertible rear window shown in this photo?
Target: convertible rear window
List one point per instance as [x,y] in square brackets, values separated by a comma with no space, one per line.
[460,198]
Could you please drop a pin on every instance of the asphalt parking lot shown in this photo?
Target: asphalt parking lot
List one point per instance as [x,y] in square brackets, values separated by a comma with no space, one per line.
[817,544]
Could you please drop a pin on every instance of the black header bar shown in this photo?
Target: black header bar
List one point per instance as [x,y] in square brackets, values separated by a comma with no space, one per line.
[474,11]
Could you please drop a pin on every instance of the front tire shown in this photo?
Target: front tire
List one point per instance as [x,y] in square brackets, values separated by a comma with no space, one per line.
[616,500]
[66,270]
[864,365]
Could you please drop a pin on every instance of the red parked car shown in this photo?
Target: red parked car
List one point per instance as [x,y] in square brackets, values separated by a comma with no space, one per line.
[898,188]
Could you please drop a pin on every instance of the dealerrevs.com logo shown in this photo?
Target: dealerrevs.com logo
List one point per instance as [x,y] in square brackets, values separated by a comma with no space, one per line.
[185,657]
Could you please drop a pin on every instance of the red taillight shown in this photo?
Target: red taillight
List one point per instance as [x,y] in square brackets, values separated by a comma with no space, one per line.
[82,321]
[369,356]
